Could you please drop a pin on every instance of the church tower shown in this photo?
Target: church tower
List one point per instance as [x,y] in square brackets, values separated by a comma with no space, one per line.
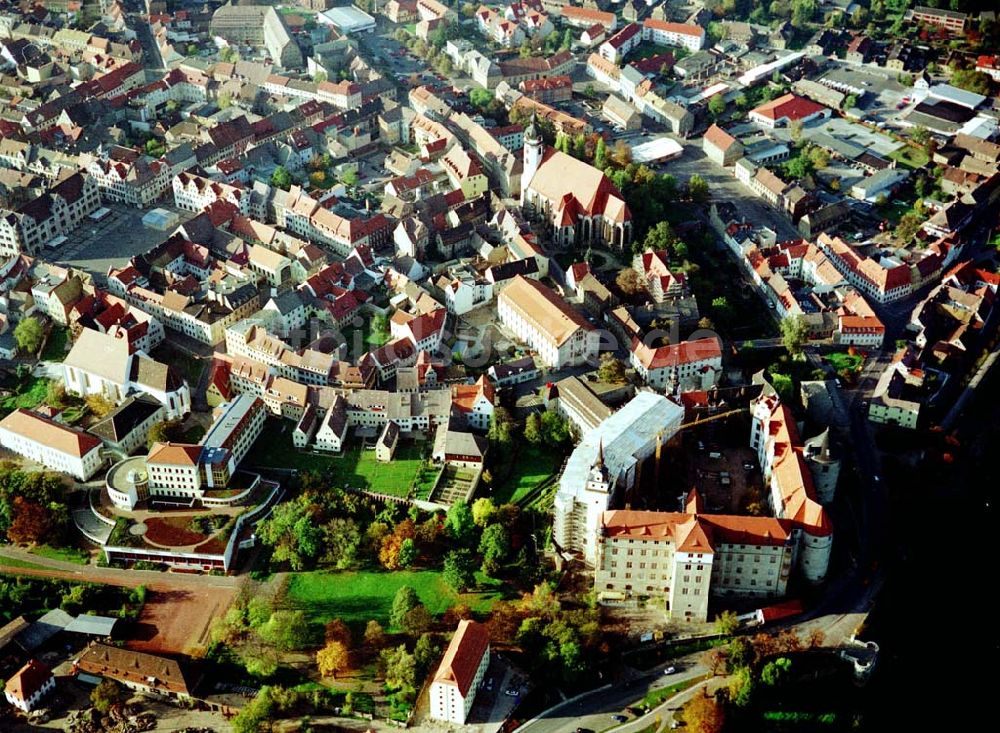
[533,151]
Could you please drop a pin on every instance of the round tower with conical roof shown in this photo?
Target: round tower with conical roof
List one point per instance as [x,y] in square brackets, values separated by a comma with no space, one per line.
[824,466]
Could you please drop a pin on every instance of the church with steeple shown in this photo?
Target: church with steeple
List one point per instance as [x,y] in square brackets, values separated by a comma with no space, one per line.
[578,202]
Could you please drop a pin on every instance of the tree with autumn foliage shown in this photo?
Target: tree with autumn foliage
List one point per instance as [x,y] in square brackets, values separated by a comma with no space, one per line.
[703,714]
[36,522]
[333,659]
[392,545]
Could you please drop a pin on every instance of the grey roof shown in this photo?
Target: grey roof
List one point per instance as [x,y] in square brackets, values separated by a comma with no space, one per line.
[132,413]
[464,444]
[44,629]
[93,625]
[287,302]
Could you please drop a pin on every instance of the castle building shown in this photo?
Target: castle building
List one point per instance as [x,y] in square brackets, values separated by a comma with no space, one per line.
[606,464]
[688,557]
[790,472]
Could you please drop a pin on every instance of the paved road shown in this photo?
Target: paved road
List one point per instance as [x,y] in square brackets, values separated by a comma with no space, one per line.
[595,711]
[152,579]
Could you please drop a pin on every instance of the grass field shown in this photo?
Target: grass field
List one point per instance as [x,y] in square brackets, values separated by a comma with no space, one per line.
[841,360]
[655,697]
[358,597]
[66,554]
[55,347]
[13,562]
[532,466]
[30,395]
[910,156]
[355,467]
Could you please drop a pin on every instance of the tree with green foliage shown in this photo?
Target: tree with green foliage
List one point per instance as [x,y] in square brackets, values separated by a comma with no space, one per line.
[349,177]
[256,714]
[400,668]
[341,542]
[291,531]
[600,154]
[286,630]
[407,553]
[726,623]
[775,670]
[850,101]
[533,428]
[660,237]
[460,524]
[741,687]
[494,546]
[106,695]
[794,334]
[977,82]
[484,511]
[803,11]
[417,620]
[716,106]
[460,570]
[480,98]
[555,429]
[721,307]
[501,430]
[425,653]
[403,602]
[28,335]
[698,189]
[281,178]
[611,370]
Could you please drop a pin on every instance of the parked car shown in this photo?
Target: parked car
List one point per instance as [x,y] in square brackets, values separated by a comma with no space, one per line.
[512,692]
[619,718]
[670,670]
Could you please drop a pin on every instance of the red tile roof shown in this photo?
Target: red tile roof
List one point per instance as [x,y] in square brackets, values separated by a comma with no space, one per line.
[463,656]
[790,106]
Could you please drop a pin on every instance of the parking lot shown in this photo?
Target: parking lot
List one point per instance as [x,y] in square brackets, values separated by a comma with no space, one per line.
[96,246]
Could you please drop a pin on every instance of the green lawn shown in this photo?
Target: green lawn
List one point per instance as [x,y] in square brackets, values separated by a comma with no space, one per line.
[841,360]
[14,562]
[655,697]
[66,554]
[647,50]
[910,156]
[55,347]
[532,466]
[354,467]
[30,395]
[358,597]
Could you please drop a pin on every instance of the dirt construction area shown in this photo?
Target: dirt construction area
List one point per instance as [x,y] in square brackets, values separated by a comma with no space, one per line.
[179,621]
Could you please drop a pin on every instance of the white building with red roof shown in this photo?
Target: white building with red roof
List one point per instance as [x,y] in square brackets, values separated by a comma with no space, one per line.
[786,109]
[664,33]
[682,367]
[52,444]
[460,673]
[29,685]
[789,483]
[474,402]
[654,269]
[689,557]
[621,43]
[721,147]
